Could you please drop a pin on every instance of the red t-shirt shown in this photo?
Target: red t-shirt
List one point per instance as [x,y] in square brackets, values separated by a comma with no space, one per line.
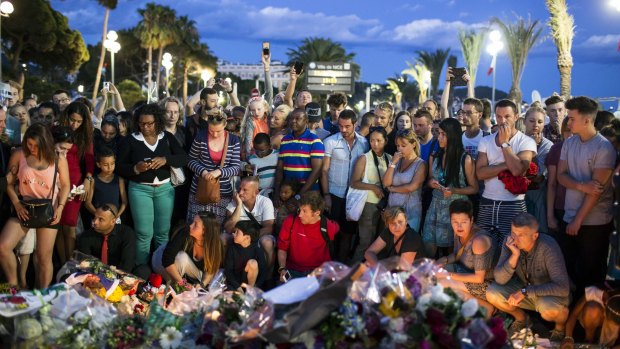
[305,245]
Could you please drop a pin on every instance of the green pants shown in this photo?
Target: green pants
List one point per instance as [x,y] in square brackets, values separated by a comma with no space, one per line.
[151,209]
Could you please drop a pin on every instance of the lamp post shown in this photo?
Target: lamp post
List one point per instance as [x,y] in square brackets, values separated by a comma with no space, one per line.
[427,82]
[6,8]
[166,61]
[615,4]
[205,76]
[493,48]
[113,46]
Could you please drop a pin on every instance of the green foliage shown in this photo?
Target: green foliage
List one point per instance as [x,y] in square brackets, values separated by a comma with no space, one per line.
[43,88]
[322,50]
[434,62]
[130,92]
[471,47]
[37,33]
[111,4]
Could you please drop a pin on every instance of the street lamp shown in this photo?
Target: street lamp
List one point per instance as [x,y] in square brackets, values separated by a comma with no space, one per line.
[427,83]
[166,61]
[615,4]
[113,46]
[493,48]
[205,76]
[6,8]
[80,89]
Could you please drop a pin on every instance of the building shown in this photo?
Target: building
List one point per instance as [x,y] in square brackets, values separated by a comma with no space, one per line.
[279,72]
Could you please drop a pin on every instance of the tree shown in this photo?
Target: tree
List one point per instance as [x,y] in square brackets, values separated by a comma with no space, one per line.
[147,31]
[419,73]
[434,62]
[322,50]
[109,5]
[471,47]
[520,36]
[37,33]
[562,31]
[131,92]
[168,34]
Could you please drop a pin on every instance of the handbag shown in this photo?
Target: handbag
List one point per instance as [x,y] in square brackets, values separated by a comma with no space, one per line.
[382,204]
[177,176]
[208,191]
[40,211]
[355,201]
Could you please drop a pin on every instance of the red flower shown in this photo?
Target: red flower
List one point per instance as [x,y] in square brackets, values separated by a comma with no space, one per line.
[517,185]
[435,317]
[155,280]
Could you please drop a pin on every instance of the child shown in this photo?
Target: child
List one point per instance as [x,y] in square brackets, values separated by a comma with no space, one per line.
[107,186]
[288,205]
[245,260]
[265,161]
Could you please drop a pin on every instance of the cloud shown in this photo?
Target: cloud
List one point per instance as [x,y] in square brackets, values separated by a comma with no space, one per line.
[601,41]
[431,32]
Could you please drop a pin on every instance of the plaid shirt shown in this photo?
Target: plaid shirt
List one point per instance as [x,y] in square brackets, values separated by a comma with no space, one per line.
[551,134]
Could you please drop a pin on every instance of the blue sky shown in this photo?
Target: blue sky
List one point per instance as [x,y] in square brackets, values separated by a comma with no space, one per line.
[386,33]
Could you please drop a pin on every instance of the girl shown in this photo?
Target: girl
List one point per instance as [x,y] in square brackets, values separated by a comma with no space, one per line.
[288,205]
[254,122]
[108,187]
[452,176]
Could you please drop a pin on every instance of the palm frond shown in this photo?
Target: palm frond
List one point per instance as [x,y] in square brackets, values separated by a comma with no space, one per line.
[434,62]
[471,48]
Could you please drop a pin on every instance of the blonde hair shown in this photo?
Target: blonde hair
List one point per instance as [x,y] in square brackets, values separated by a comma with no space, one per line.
[410,136]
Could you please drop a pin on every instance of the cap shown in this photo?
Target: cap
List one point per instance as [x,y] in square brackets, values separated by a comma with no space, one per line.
[254,93]
[313,110]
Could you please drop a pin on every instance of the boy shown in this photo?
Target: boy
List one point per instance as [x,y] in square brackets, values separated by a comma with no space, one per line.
[264,161]
[245,261]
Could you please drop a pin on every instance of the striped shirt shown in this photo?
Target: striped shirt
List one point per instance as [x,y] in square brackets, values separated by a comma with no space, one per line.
[266,170]
[200,160]
[296,155]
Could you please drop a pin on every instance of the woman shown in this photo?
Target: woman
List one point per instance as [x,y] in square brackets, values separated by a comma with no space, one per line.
[397,240]
[279,124]
[473,262]
[196,253]
[405,176]
[367,174]
[452,176]
[108,135]
[205,158]
[81,162]
[125,123]
[401,122]
[254,122]
[537,190]
[33,168]
[21,114]
[174,118]
[144,160]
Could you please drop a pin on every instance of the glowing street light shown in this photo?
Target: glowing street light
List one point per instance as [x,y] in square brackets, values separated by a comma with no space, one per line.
[493,48]
[6,8]
[615,4]
[205,76]
[427,83]
[166,61]
[113,46]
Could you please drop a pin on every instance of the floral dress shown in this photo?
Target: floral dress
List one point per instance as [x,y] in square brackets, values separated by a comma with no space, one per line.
[437,228]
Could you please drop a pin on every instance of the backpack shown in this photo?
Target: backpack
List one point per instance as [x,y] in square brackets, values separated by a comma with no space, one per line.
[328,242]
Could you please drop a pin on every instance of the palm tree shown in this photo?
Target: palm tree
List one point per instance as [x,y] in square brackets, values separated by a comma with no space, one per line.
[562,31]
[322,50]
[520,38]
[471,47]
[394,85]
[419,73]
[167,35]
[434,62]
[109,5]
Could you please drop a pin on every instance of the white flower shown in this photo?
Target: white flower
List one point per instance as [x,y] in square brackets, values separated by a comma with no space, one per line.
[469,308]
[438,296]
[423,302]
[399,337]
[397,325]
[170,338]
[83,338]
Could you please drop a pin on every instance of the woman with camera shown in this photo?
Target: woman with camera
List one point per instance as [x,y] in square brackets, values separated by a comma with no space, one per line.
[39,174]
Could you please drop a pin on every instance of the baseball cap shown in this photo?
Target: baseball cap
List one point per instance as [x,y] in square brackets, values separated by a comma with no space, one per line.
[313,110]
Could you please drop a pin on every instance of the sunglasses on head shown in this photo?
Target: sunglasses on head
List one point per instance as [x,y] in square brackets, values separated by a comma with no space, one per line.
[106,207]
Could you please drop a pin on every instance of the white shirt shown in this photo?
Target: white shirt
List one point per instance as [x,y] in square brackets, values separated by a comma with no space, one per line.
[342,160]
[471,144]
[494,189]
[262,211]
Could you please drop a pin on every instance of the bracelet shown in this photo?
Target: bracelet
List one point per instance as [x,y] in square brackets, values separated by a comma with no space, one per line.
[135,170]
[391,165]
[281,269]
[61,204]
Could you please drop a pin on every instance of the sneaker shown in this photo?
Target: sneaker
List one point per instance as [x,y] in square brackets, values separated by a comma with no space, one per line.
[516,327]
[556,336]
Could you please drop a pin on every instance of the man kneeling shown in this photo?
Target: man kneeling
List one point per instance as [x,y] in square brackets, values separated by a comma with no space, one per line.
[245,259]
[531,275]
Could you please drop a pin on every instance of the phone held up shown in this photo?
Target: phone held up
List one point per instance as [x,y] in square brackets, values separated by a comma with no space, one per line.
[458,80]
[265,48]
[299,67]
[106,85]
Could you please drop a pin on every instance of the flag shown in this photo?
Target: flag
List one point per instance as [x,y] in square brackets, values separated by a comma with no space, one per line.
[492,67]
[618,45]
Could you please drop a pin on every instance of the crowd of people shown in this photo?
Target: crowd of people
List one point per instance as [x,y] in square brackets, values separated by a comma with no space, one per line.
[516,207]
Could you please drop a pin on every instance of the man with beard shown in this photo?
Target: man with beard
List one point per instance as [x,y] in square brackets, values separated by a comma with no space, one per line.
[556,112]
[341,151]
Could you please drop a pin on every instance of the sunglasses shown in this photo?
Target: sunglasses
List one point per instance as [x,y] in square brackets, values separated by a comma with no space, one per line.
[106,207]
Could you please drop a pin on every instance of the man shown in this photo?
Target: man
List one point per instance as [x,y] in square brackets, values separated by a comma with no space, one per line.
[586,163]
[471,114]
[422,125]
[114,244]
[341,151]
[315,122]
[248,205]
[530,274]
[336,102]
[383,116]
[431,106]
[556,112]
[302,97]
[507,150]
[61,99]
[208,106]
[301,156]
[303,240]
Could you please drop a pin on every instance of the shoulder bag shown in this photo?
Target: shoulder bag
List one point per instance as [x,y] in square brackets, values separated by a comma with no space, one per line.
[40,211]
[208,191]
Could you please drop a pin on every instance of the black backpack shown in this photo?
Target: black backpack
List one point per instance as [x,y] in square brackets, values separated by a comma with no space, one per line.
[328,242]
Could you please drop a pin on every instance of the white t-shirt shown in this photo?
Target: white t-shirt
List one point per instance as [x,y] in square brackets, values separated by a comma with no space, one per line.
[494,189]
[471,144]
[263,209]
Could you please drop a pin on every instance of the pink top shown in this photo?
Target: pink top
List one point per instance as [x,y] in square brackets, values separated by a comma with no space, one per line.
[35,184]
[216,156]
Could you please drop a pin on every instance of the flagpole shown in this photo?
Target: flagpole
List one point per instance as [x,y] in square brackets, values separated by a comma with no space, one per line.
[493,92]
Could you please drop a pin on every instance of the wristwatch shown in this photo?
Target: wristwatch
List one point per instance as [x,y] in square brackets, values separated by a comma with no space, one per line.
[297,197]
[524,291]
[505,145]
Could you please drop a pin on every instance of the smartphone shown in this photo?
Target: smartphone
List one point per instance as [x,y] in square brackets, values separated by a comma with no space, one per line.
[299,67]
[265,48]
[458,80]
[106,85]
[148,160]
[287,276]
